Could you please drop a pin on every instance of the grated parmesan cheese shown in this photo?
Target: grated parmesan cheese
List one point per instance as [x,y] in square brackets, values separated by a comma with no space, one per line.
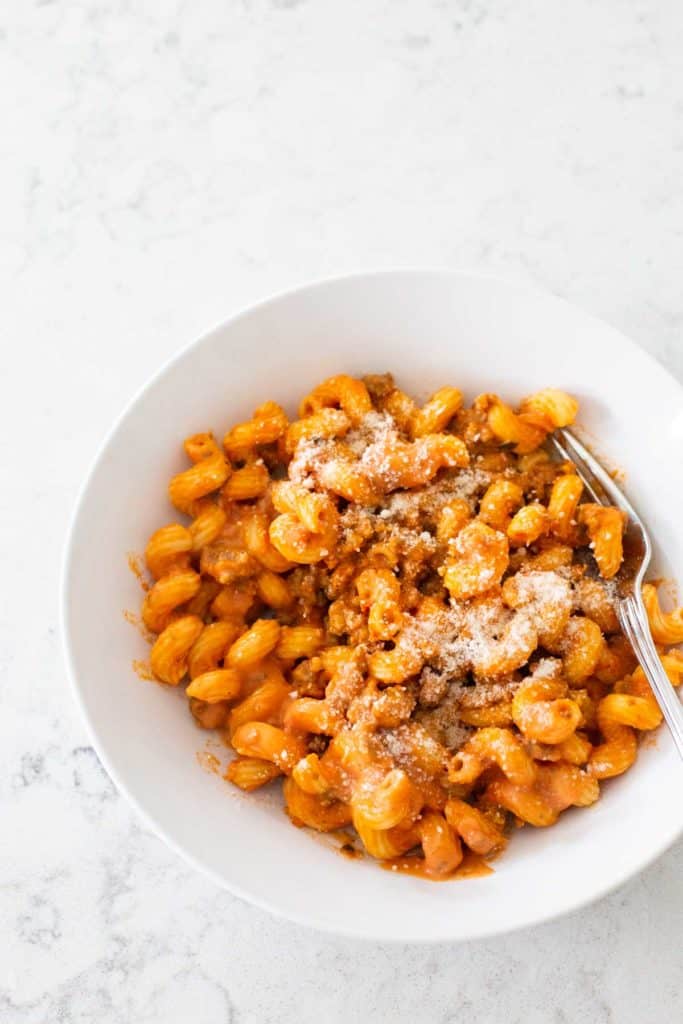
[486,638]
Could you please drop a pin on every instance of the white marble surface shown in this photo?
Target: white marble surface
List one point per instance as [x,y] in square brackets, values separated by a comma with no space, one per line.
[164,164]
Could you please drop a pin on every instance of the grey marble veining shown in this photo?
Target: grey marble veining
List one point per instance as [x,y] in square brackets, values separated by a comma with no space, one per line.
[164,164]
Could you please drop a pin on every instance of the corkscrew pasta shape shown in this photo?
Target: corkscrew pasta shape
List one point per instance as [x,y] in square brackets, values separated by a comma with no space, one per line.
[400,611]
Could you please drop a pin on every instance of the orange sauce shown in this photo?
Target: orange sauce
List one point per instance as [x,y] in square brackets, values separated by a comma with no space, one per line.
[135,566]
[208,761]
[349,851]
[346,845]
[142,670]
[471,866]
[136,621]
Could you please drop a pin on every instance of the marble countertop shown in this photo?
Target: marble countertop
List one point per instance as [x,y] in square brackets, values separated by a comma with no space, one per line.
[164,164]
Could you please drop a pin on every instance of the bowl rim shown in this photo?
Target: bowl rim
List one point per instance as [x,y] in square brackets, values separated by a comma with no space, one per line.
[621,874]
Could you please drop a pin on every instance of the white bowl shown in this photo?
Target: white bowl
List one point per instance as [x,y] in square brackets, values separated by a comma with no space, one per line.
[429,328]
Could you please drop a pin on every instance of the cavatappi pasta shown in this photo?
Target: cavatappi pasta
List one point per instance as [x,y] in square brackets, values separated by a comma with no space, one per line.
[405,613]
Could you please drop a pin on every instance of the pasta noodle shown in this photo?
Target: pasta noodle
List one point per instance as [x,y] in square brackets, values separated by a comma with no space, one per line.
[403,613]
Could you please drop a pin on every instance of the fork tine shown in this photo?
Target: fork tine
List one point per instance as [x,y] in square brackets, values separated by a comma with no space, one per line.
[583,471]
[630,608]
[580,453]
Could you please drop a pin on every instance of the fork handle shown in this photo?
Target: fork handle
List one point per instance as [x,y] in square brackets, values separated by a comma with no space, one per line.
[636,627]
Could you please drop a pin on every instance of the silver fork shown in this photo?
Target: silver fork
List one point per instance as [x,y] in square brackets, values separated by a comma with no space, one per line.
[638,553]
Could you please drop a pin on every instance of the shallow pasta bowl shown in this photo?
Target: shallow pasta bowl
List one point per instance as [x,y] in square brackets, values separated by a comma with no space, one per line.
[428,328]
